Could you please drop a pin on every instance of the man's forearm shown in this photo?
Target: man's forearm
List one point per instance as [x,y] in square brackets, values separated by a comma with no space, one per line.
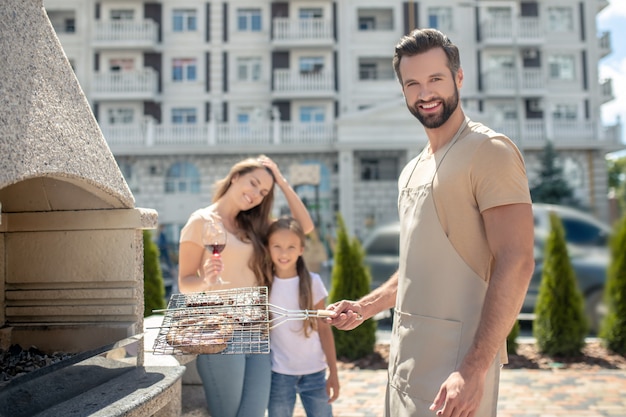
[382,298]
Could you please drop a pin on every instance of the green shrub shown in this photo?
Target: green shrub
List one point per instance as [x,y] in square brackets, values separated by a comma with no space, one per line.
[613,329]
[511,340]
[560,325]
[153,286]
[350,280]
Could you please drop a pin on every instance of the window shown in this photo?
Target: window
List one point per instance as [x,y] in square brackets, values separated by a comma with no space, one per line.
[440,18]
[312,114]
[249,20]
[561,67]
[565,112]
[375,19]
[379,169]
[184,20]
[367,23]
[184,69]
[375,69]
[184,116]
[182,177]
[121,64]
[310,13]
[560,19]
[121,14]
[69,25]
[249,69]
[311,64]
[120,116]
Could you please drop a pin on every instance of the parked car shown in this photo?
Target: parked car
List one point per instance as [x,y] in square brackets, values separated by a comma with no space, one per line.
[586,237]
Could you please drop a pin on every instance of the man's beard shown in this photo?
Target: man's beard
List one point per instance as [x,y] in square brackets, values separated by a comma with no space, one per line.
[433,121]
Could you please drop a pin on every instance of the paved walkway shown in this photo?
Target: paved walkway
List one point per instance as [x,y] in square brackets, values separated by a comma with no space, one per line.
[523,393]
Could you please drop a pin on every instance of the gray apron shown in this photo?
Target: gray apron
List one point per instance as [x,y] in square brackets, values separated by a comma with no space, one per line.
[438,308]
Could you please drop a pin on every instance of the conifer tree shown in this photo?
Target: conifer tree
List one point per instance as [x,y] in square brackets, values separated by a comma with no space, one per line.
[350,280]
[613,328]
[551,187]
[153,286]
[560,325]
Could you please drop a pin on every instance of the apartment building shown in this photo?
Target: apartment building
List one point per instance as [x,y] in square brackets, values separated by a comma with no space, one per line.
[184,88]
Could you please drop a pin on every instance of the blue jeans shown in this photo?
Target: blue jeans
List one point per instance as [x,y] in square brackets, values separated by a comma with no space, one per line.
[236,385]
[312,390]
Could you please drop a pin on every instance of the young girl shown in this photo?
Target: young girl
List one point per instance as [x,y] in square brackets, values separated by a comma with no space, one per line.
[300,350]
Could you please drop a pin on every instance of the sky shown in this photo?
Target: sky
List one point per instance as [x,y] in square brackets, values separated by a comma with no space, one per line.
[613,19]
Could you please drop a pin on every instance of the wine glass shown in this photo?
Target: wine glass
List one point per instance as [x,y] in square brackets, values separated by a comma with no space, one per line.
[214,240]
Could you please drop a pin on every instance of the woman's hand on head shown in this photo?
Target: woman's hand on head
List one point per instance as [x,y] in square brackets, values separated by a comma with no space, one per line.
[272,166]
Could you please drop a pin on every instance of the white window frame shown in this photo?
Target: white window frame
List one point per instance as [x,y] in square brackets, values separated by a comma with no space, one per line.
[249,68]
[311,64]
[440,17]
[560,19]
[184,116]
[249,20]
[312,114]
[122,14]
[184,20]
[565,111]
[188,69]
[120,116]
[562,67]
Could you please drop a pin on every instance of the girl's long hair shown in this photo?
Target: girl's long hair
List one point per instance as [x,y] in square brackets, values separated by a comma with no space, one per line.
[251,224]
[305,290]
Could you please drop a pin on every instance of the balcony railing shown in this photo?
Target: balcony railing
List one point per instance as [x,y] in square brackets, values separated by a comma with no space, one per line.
[299,30]
[536,132]
[271,133]
[606,90]
[120,32]
[287,80]
[504,80]
[604,44]
[126,84]
[508,30]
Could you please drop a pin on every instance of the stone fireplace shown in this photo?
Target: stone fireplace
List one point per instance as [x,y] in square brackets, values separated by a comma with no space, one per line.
[71,249]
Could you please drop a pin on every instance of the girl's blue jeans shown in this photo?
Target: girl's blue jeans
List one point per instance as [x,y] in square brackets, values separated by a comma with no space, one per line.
[312,390]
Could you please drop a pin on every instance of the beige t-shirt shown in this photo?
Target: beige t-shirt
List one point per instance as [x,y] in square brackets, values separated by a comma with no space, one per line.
[235,256]
[482,170]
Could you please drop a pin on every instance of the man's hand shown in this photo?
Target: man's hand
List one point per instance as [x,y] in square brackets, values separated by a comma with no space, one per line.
[348,314]
[459,396]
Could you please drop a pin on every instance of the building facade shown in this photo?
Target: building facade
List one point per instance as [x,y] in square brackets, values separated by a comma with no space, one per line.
[184,88]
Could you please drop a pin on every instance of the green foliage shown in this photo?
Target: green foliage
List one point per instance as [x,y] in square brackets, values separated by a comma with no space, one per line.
[560,325]
[350,280]
[613,329]
[551,186]
[617,180]
[511,340]
[153,287]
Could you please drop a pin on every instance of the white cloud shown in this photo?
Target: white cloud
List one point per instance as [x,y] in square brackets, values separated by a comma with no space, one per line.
[615,8]
[617,73]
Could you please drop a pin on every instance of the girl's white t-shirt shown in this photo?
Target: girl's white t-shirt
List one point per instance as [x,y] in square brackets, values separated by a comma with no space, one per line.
[292,353]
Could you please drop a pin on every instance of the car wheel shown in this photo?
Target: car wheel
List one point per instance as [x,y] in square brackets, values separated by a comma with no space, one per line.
[595,310]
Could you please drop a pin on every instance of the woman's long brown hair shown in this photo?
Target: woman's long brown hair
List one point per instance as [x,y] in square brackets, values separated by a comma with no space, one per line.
[251,224]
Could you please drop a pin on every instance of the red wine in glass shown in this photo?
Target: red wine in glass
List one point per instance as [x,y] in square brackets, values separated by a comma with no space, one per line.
[214,239]
[215,248]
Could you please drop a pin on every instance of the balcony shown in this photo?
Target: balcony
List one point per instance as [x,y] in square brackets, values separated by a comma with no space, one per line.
[218,137]
[290,83]
[606,90]
[604,44]
[504,81]
[302,32]
[506,31]
[126,85]
[126,34]
[563,133]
